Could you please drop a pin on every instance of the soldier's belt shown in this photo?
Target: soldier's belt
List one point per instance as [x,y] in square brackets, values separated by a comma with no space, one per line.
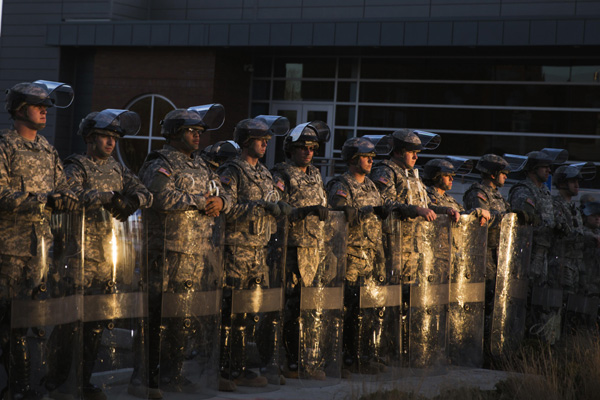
[49,312]
[546,297]
[101,307]
[429,295]
[380,296]
[326,298]
[192,304]
[583,304]
[257,300]
[467,292]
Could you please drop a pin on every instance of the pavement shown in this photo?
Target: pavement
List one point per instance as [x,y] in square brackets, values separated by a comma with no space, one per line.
[427,383]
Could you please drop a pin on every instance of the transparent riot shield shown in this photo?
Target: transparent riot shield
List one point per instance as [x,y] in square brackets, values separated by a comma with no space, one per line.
[46,310]
[429,294]
[253,304]
[114,280]
[581,313]
[191,303]
[467,292]
[510,302]
[321,306]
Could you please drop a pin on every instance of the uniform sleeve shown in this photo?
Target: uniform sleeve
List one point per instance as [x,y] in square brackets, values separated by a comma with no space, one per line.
[133,187]
[521,200]
[76,178]
[11,198]
[230,179]
[338,194]
[166,196]
[223,194]
[476,198]
[281,185]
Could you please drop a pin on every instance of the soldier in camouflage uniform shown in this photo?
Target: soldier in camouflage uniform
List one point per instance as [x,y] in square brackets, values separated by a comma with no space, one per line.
[358,196]
[591,251]
[101,184]
[180,243]
[255,205]
[438,176]
[486,195]
[300,185]
[33,187]
[530,197]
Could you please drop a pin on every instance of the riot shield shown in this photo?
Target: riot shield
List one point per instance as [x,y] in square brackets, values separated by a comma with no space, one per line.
[510,301]
[467,292]
[191,303]
[581,313]
[429,294]
[321,307]
[114,302]
[253,304]
[46,310]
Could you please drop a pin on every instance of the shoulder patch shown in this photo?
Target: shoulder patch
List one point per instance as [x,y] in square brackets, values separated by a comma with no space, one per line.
[482,196]
[383,180]
[530,202]
[341,193]
[225,180]
[164,171]
[280,185]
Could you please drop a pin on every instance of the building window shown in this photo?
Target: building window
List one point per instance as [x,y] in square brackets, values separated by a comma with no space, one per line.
[132,150]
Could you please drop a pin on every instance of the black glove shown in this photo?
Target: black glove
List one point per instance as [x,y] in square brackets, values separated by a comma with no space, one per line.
[322,212]
[106,198]
[285,208]
[122,207]
[62,201]
[272,208]
[381,211]
[402,212]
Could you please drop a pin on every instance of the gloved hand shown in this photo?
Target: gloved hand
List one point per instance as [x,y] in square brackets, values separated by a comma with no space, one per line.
[272,208]
[401,212]
[122,207]
[322,212]
[105,197]
[381,211]
[62,201]
[285,208]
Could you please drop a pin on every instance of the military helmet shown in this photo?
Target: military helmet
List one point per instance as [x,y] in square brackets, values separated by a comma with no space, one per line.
[117,123]
[591,208]
[357,146]
[406,139]
[436,167]
[260,127]
[537,159]
[209,117]
[491,164]
[46,93]
[306,134]
[220,152]
[564,173]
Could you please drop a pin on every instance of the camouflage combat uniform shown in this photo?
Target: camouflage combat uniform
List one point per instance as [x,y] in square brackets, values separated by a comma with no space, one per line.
[88,178]
[29,172]
[305,252]
[591,258]
[365,262]
[443,200]
[181,234]
[565,267]
[525,195]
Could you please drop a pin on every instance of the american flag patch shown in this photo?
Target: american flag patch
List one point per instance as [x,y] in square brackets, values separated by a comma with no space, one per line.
[225,180]
[280,185]
[164,171]
[482,197]
[530,202]
[383,180]
[341,193]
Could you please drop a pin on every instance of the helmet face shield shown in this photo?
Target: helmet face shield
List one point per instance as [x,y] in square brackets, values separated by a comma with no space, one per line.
[384,144]
[276,124]
[516,162]
[60,94]
[120,122]
[587,170]
[591,208]
[429,141]
[557,156]
[462,166]
[315,131]
[212,116]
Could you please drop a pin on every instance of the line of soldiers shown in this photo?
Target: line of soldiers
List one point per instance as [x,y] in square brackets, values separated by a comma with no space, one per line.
[235,277]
